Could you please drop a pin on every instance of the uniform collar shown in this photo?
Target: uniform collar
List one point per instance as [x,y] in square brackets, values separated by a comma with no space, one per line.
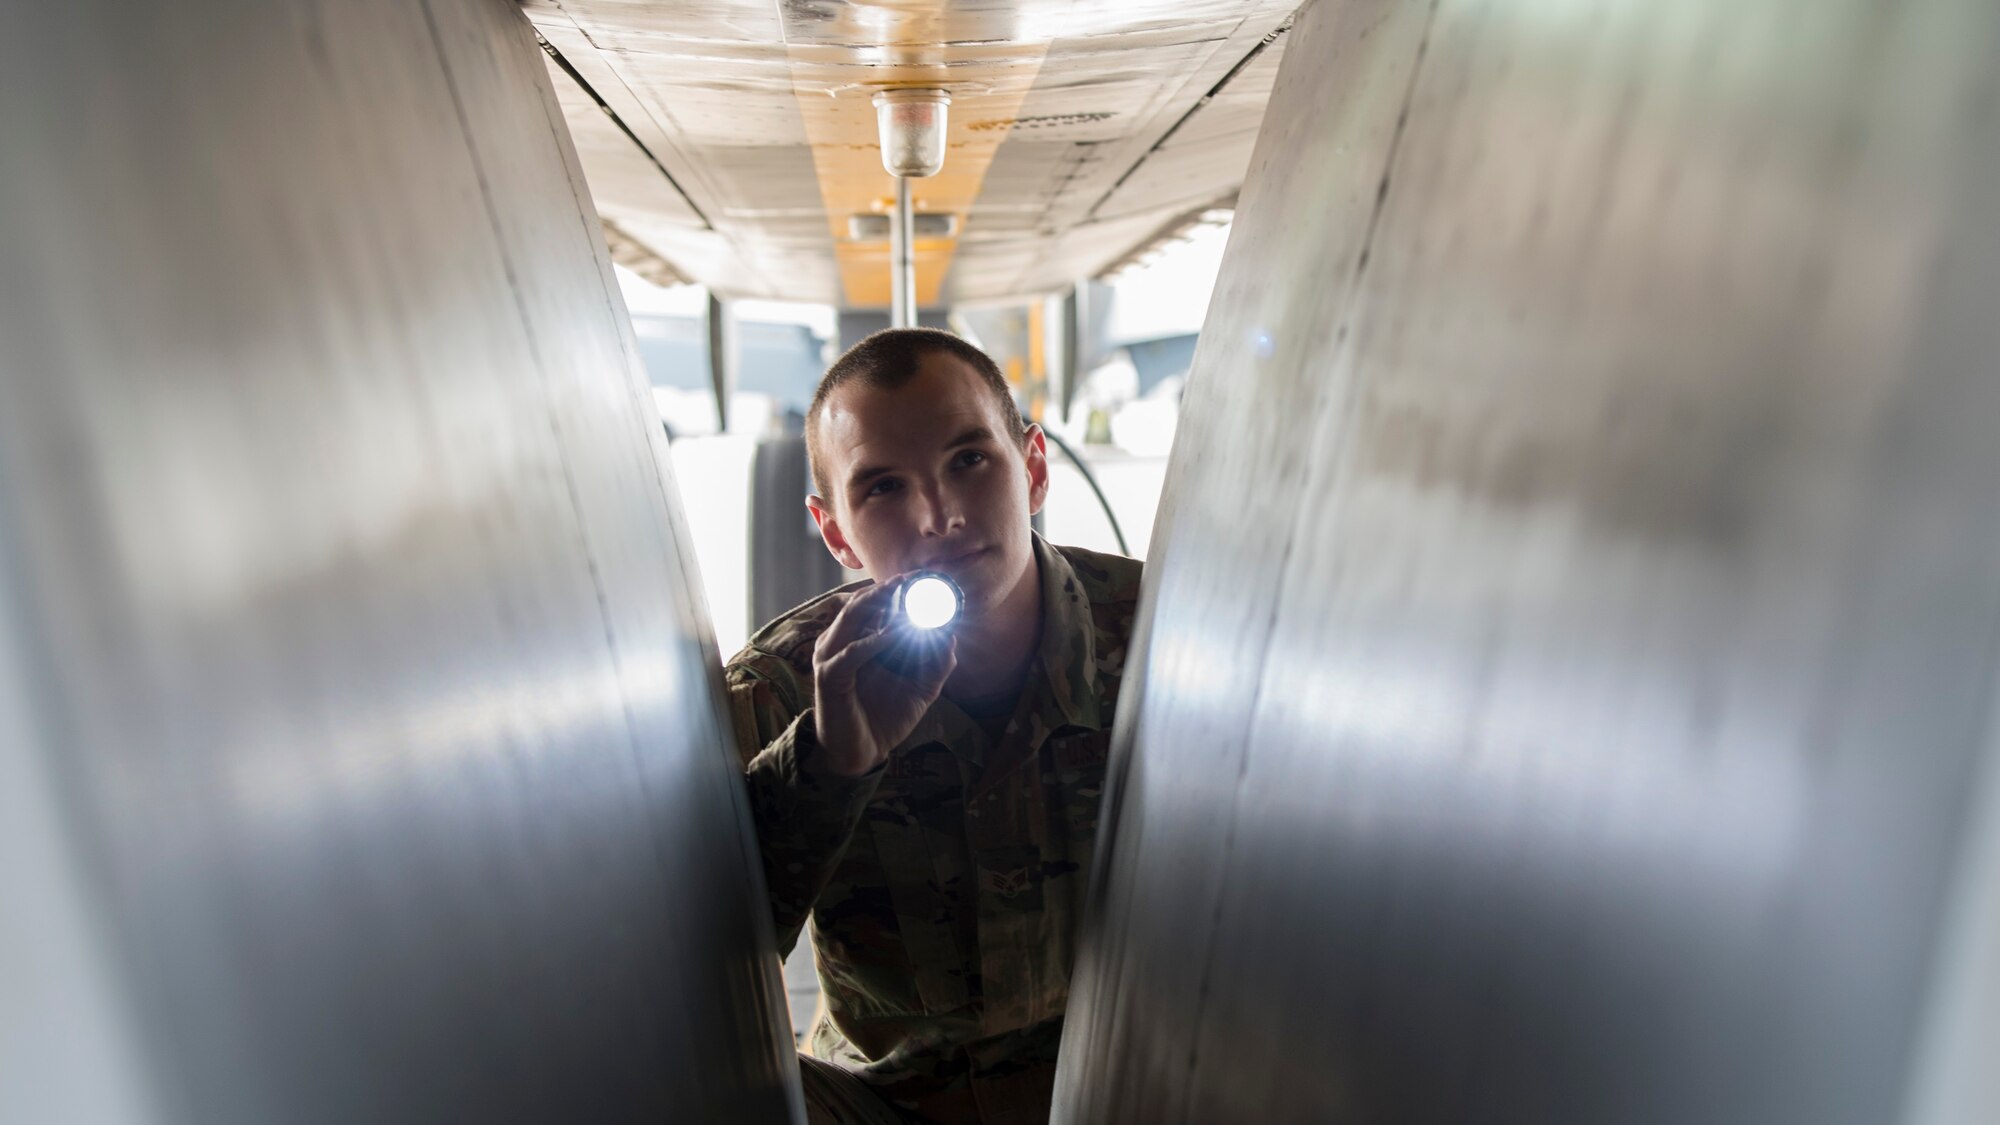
[1068,654]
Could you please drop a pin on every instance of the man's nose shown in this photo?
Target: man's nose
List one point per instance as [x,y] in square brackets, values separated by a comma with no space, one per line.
[940,512]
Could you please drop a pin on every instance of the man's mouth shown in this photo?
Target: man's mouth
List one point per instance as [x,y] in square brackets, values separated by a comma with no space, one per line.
[956,559]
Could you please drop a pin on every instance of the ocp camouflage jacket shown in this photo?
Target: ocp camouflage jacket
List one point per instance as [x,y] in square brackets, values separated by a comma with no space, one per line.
[944,886]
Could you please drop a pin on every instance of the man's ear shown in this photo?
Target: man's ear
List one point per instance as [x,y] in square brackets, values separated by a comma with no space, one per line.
[830,534]
[1035,448]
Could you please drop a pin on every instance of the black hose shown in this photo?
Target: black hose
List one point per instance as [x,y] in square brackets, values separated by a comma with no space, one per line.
[1090,479]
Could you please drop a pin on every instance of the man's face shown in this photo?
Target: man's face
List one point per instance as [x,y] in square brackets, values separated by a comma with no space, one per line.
[926,477]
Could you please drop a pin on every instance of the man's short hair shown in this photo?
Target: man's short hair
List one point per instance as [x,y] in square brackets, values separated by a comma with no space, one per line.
[889,359]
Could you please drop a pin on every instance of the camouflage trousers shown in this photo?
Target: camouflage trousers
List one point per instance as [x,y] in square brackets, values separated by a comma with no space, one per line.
[838,1096]
[834,1096]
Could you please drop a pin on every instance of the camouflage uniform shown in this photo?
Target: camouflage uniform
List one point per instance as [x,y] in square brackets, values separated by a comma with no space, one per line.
[945,885]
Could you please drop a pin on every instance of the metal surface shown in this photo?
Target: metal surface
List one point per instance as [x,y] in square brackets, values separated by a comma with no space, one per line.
[361,748]
[875,228]
[1075,320]
[789,562]
[725,356]
[902,261]
[1567,673]
[748,137]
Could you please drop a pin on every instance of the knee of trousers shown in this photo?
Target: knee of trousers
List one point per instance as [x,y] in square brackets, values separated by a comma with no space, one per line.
[837,1096]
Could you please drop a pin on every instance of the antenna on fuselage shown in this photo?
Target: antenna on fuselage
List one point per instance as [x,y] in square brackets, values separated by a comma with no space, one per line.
[911,125]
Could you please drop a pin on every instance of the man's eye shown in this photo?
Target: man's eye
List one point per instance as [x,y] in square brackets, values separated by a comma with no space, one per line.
[883,487]
[970,457]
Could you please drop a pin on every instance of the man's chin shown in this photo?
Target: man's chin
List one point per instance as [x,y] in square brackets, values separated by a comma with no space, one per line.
[989,577]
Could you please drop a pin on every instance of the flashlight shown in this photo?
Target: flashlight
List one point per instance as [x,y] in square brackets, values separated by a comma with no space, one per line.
[930,600]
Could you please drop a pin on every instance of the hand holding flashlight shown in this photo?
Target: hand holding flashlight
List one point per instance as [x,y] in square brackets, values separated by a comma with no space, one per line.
[863,706]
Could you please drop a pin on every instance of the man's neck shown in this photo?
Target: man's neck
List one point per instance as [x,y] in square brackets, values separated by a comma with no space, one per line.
[995,650]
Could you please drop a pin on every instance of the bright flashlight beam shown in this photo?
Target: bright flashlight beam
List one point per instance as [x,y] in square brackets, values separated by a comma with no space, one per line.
[930,602]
